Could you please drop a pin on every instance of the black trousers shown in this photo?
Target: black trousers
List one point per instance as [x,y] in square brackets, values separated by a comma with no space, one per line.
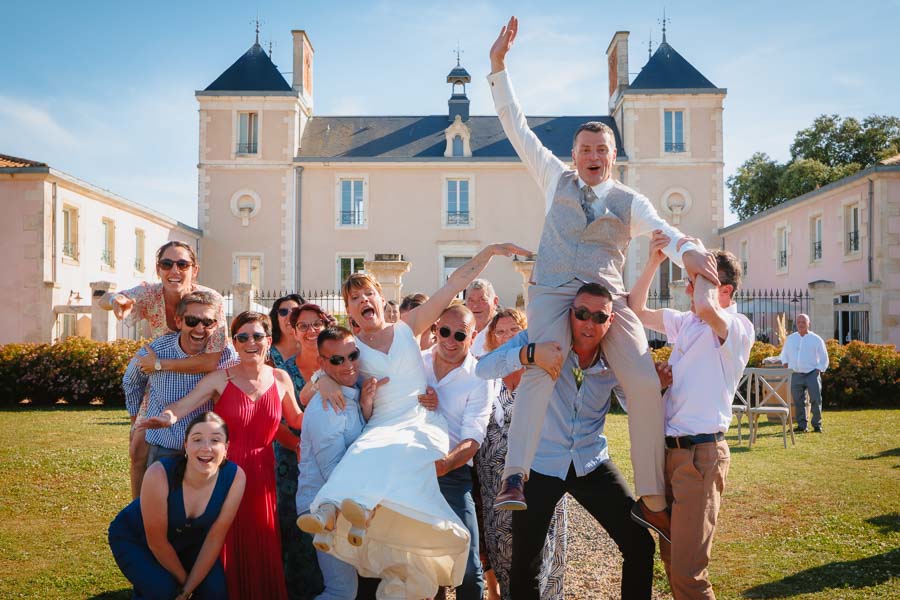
[605,494]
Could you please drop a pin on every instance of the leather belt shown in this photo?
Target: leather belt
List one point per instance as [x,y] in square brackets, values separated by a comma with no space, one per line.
[687,441]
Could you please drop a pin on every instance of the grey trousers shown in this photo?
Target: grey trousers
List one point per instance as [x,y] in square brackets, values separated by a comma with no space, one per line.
[158,452]
[626,350]
[801,383]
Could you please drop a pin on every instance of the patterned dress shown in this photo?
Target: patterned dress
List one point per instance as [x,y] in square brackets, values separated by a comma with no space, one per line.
[301,568]
[498,523]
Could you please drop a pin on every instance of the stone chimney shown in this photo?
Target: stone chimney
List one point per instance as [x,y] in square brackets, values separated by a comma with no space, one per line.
[617,60]
[303,66]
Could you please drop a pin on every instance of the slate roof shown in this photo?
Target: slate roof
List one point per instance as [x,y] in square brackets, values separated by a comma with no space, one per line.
[252,72]
[667,69]
[14,162]
[423,138]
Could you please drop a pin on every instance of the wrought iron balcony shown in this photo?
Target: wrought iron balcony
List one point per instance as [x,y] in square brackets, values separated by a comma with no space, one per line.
[744,267]
[817,250]
[353,217]
[853,241]
[458,218]
[70,249]
[106,257]
[246,148]
[139,264]
[675,147]
[782,259]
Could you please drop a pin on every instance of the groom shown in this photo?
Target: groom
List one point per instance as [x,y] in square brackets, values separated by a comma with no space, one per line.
[590,220]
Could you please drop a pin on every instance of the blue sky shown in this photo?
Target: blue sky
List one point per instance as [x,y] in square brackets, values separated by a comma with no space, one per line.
[105,90]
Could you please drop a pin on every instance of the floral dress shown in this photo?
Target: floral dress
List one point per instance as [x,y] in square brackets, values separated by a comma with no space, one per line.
[498,523]
[301,567]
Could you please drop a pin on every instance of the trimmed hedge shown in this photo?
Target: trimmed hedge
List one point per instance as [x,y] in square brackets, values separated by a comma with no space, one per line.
[78,371]
[858,375]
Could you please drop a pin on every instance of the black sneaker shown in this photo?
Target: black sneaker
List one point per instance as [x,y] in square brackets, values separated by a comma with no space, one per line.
[799,429]
[818,429]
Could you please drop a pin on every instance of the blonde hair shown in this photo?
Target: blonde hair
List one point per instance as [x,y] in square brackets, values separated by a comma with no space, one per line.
[358,281]
[511,313]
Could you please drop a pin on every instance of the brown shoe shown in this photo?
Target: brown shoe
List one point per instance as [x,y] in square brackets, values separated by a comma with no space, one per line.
[512,494]
[658,521]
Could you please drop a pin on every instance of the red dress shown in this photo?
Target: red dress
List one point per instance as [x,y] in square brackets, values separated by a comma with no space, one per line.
[252,551]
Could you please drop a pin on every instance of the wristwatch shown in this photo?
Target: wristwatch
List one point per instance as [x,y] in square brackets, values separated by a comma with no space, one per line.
[157,366]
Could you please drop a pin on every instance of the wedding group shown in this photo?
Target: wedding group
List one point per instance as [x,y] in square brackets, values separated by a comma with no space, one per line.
[412,447]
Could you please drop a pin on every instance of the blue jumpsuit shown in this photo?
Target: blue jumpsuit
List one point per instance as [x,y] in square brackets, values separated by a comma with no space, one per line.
[128,541]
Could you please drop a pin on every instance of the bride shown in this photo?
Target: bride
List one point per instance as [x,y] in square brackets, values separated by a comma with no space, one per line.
[381,509]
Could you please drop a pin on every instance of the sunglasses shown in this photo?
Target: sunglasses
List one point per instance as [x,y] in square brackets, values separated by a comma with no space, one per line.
[283,312]
[243,338]
[459,336]
[192,321]
[166,264]
[316,325]
[583,314]
[338,359]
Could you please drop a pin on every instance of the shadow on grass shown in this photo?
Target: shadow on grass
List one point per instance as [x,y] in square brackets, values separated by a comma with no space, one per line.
[28,409]
[124,594]
[852,574]
[883,454]
[886,523]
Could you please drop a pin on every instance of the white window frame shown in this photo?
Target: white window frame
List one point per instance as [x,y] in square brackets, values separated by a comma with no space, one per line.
[140,250]
[782,244]
[847,211]
[816,233]
[337,264]
[445,200]
[70,233]
[445,251]
[108,244]
[236,268]
[340,178]
[237,133]
[685,128]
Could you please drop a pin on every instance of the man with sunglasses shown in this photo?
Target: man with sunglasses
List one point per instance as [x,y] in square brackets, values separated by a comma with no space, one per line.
[196,319]
[325,437]
[464,400]
[572,454]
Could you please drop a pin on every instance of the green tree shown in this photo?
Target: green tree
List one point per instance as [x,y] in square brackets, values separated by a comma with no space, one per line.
[754,187]
[802,176]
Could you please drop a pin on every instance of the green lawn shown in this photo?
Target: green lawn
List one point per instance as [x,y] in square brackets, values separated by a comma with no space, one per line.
[820,520]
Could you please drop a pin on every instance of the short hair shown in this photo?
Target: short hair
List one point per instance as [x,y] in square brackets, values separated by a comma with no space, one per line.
[595,127]
[412,301]
[392,302]
[459,309]
[332,333]
[177,244]
[482,284]
[729,269]
[594,289]
[320,312]
[273,314]
[490,342]
[358,281]
[199,297]
[251,316]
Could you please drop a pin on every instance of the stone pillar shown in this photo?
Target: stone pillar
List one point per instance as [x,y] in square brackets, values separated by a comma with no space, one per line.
[678,292]
[389,269]
[103,322]
[821,309]
[525,268]
[242,298]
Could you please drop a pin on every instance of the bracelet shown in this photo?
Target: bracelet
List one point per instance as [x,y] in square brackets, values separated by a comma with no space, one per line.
[529,353]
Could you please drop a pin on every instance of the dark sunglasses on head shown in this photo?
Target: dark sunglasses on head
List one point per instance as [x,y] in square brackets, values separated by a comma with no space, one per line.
[338,359]
[166,264]
[245,337]
[459,336]
[192,321]
[583,314]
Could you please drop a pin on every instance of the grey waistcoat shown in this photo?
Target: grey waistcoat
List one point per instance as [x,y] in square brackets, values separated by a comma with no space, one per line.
[573,249]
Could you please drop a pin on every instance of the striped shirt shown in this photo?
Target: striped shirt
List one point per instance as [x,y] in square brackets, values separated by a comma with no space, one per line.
[167,387]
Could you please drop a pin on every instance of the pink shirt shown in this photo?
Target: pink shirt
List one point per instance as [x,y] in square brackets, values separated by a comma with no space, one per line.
[705,372]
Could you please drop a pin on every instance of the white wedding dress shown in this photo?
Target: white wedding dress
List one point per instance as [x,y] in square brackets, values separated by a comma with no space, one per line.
[415,541]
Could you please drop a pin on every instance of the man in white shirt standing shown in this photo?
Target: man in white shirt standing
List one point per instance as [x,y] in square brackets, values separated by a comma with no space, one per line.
[464,400]
[590,220]
[804,352]
[483,302]
[711,347]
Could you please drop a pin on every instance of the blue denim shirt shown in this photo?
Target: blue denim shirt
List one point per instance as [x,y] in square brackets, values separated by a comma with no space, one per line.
[573,428]
[325,437]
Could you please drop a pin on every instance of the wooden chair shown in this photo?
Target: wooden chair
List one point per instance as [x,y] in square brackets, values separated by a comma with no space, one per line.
[771,388]
[741,406]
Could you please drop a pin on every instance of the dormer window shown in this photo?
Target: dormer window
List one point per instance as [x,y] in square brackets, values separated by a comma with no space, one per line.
[458,139]
[457,146]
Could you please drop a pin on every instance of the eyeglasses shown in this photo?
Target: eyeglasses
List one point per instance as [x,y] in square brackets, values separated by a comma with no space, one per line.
[338,359]
[583,314]
[243,338]
[192,321]
[316,325]
[166,264]
[459,336]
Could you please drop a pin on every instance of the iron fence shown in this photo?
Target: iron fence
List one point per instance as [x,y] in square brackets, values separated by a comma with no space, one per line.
[331,301]
[655,301]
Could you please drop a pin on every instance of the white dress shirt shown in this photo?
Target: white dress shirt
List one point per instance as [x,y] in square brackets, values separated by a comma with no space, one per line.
[705,371]
[477,350]
[803,353]
[546,170]
[463,399]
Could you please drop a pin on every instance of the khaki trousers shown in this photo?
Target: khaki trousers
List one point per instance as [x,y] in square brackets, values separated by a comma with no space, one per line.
[695,480]
[626,351]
